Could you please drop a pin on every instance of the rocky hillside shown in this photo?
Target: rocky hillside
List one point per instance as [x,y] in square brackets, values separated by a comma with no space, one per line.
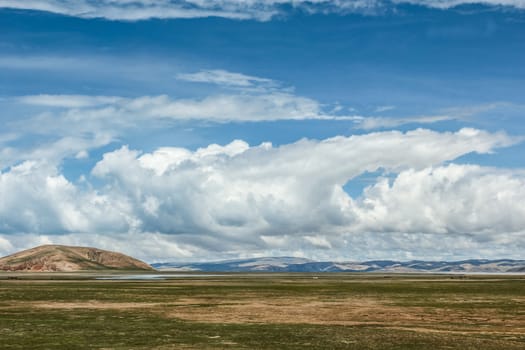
[47,258]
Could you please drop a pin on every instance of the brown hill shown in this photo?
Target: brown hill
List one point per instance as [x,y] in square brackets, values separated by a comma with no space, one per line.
[47,258]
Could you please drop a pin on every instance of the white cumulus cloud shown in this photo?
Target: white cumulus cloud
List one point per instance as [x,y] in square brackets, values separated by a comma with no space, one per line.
[227,199]
[37,198]
[296,188]
[453,199]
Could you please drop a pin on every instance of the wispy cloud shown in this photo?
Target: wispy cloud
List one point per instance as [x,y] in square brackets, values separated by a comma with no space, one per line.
[225,78]
[380,109]
[242,107]
[68,101]
[445,4]
[138,10]
[456,113]
[380,122]
[261,10]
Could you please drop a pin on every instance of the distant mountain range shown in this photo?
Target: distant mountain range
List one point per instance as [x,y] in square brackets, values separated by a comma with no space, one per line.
[289,264]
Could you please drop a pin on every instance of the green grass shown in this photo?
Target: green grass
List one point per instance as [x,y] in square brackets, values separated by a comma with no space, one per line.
[85,329]
[24,326]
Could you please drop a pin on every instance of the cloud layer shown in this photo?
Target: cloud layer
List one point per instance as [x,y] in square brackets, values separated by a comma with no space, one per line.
[241,198]
[262,10]
[237,199]
[67,126]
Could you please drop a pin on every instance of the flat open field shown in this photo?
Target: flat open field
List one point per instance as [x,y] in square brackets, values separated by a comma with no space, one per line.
[267,311]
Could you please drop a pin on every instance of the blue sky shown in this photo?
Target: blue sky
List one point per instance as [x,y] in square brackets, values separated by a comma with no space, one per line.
[189,130]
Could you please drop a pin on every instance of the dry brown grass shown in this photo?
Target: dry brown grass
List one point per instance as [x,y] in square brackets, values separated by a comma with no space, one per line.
[245,308]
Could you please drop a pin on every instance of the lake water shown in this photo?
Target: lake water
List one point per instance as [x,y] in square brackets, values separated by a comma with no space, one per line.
[154,277]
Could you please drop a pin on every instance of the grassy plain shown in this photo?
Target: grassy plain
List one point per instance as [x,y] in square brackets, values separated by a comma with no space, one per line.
[263,311]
